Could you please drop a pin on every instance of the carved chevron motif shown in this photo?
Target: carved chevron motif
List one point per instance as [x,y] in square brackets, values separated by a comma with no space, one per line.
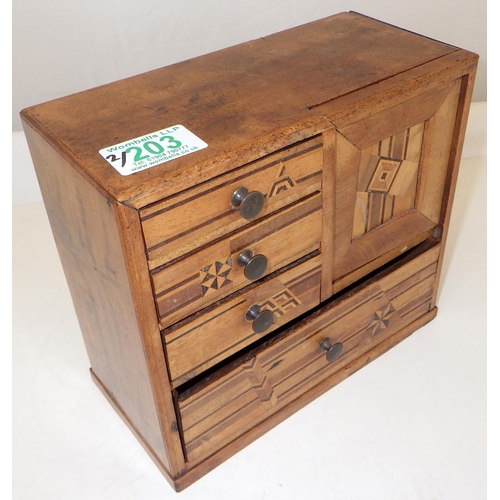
[260,383]
[282,182]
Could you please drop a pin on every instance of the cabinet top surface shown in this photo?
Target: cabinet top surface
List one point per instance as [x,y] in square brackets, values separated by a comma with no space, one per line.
[243,101]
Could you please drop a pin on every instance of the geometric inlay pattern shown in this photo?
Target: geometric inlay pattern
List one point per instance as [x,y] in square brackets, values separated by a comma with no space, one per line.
[380,319]
[384,175]
[215,276]
[260,383]
[387,179]
[281,302]
[282,181]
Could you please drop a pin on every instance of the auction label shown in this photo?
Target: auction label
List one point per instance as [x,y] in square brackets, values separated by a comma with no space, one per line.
[150,150]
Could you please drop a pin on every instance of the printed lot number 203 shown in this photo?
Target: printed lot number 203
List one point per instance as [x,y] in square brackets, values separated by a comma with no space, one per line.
[152,147]
[146,151]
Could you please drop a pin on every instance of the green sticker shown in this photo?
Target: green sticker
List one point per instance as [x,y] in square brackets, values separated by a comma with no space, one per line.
[152,149]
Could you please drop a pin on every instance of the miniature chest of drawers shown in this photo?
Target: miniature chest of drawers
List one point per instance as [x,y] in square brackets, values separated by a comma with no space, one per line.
[294,233]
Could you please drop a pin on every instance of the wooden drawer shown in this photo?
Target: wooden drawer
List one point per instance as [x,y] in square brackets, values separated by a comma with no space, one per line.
[232,401]
[206,276]
[197,216]
[212,336]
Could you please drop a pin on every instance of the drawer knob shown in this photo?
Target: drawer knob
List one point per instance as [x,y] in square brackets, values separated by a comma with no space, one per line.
[250,204]
[261,320]
[255,265]
[333,352]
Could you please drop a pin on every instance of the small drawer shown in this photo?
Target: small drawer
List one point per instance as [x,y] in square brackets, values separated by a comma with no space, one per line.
[230,402]
[193,218]
[220,269]
[213,336]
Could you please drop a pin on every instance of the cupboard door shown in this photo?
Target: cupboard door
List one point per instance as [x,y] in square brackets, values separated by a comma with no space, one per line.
[390,172]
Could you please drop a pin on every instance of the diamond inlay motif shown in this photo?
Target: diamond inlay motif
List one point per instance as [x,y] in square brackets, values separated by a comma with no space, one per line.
[384,175]
[387,179]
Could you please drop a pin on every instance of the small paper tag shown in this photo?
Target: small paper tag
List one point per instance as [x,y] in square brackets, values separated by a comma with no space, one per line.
[152,149]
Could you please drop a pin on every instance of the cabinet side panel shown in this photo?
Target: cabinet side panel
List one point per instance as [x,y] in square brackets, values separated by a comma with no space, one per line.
[464,103]
[85,229]
[435,158]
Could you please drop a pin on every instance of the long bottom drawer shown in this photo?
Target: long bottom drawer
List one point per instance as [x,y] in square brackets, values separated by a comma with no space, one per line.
[229,403]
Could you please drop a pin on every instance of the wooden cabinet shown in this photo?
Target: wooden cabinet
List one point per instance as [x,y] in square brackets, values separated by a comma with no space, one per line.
[226,277]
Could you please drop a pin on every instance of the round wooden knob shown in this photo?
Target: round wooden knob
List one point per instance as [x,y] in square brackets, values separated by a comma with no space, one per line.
[333,352]
[249,203]
[261,320]
[255,265]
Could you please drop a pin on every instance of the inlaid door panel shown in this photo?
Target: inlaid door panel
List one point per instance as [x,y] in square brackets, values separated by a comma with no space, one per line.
[387,180]
[390,173]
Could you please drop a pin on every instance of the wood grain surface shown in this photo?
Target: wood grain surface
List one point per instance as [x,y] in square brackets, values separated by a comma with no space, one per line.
[438,136]
[244,102]
[222,410]
[350,128]
[197,216]
[115,311]
[213,273]
[394,195]
[220,332]
[196,471]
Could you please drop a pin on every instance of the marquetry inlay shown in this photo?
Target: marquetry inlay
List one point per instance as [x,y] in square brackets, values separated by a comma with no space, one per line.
[387,181]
